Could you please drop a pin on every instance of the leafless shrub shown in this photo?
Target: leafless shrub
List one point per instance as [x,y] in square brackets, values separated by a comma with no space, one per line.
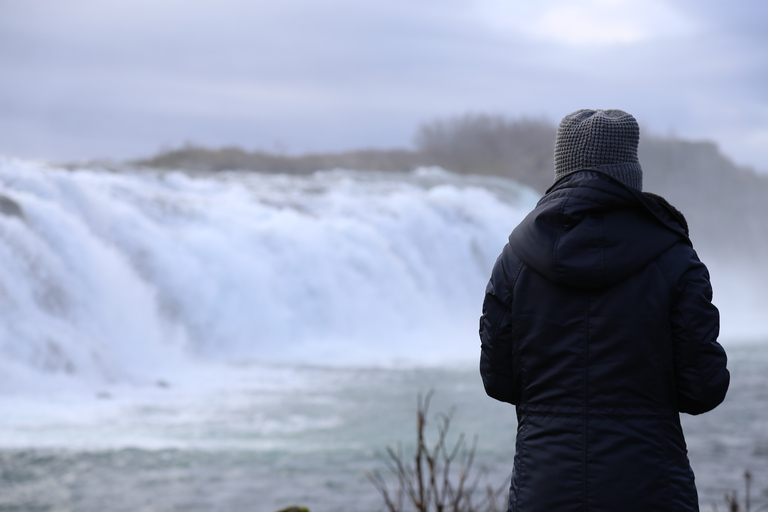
[732,502]
[439,478]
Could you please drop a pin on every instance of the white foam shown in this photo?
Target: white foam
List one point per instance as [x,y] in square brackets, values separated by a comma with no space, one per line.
[112,277]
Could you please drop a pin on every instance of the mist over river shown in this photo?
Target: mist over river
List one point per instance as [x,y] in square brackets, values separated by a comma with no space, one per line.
[248,341]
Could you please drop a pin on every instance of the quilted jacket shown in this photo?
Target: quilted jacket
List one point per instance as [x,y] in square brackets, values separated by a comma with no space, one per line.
[598,326]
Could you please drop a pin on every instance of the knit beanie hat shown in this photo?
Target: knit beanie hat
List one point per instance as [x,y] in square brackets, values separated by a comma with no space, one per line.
[599,140]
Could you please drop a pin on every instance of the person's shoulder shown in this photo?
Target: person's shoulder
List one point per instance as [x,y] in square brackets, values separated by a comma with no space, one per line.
[681,264]
[674,214]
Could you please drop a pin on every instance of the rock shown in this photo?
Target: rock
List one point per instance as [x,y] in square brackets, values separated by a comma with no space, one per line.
[10,207]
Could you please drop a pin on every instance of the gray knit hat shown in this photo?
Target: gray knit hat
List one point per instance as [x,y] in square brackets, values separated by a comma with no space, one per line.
[599,140]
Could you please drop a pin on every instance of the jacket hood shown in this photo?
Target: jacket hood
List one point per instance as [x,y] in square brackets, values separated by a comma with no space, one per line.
[590,231]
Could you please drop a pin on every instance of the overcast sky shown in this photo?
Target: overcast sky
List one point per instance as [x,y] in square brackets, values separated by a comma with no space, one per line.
[123,78]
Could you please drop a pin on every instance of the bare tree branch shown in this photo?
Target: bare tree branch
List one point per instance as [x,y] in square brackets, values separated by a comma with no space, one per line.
[429,482]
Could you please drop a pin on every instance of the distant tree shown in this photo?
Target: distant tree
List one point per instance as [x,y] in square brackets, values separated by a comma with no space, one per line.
[521,149]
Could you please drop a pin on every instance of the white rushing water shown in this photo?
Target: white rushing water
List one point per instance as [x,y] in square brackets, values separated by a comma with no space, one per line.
[109,277]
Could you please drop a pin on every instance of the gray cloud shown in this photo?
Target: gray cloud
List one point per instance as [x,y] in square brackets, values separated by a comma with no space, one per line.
[84,78]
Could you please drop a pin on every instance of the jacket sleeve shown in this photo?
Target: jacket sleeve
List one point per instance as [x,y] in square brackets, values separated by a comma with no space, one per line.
[497,354]
[700,361]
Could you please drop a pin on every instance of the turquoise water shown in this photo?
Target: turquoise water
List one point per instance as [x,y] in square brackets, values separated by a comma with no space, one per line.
[310,442]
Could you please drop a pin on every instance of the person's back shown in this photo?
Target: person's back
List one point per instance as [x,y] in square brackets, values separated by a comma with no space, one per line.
[597,324]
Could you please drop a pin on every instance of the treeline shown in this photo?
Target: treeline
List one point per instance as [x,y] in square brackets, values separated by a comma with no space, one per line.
[725,204]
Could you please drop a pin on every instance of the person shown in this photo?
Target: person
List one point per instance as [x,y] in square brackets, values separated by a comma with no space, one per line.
[598,326]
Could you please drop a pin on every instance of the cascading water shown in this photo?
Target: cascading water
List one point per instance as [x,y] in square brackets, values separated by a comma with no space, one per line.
[109,275]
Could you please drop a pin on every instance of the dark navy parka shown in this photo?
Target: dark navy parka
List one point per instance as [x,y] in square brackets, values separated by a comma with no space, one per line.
[598,326]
